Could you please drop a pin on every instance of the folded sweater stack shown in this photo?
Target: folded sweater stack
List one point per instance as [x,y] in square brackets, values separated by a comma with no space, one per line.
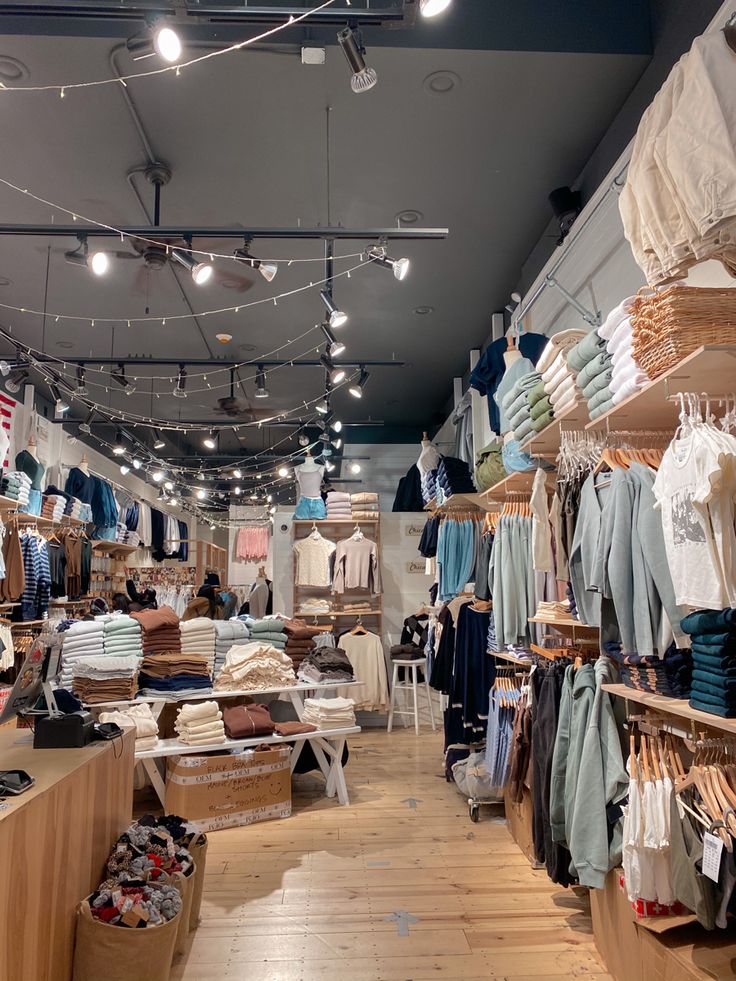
[338,505]
[200,724]
[329,713]
[122,635]
[364,506]
[198,636]
[53,506]
[627,377]
[593,366]
[255,667]
[227,633]
[326,665]
[140,718]
[269,631]
[84,638]
[105,678]
[74,508]
[561,392]
[713,636]
[17,486]
[516,405]
[299,639]
[454,476]
[174,674]
[160,630]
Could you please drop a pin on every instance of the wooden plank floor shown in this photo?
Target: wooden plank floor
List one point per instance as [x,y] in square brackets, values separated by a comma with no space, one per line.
[308,897]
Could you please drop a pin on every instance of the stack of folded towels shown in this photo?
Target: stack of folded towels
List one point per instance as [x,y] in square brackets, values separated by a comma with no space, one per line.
[270,630]
[593,367]
[198,636]
[364,506]
[105,678]
[453,477]
[122,635]
[17,486]
[560,389]
[174,674]
[713,636]
[326,665]
[329,713]
[200,723]
[82,639]
[338,505]
[516,407]
[255,667]
[140,718]
[227,633]
[160,630]
[53,506]
[627,377]
[299,639]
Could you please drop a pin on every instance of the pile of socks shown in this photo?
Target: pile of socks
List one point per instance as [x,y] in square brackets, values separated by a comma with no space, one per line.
[105,678]
[17,486]
[81,639]
[122,635]
[269,631]
[174,674]
[53,506]
[364,506]
[299,640]
[593,366]
[160,630]
[713,636]
[200,724]
[454,477]
[227,633]
[198,637]
[255,667]
[326,665]
[140,718]
[338,506]
[627,377]
[560,390]
[329,713]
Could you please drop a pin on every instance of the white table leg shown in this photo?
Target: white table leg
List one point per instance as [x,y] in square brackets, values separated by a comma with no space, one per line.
[296,752]
[339,773]
[414,680]
[322,749]
[392,704]
[429,701]
[295,697]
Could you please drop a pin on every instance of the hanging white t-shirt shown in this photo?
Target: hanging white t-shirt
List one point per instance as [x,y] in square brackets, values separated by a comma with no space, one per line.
[719,509]
[690,468]
[313,561]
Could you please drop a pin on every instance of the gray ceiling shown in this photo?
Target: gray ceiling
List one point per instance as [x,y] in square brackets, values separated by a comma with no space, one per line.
[245,138]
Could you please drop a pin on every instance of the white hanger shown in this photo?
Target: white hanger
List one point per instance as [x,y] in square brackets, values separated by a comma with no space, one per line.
[357,535]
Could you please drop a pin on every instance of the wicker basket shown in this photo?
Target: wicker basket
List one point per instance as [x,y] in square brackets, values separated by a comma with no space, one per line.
[668,326]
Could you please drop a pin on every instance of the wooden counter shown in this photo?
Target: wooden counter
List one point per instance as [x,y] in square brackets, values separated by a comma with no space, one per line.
[54,841]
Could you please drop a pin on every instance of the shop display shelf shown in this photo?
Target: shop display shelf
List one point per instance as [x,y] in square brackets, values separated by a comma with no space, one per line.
[547,442]
[100,545]
[24,624]
[564,624]
[301,522]
[679,707]
[456,502]
[339,613]
[8,503]
[514,483]
[514,660]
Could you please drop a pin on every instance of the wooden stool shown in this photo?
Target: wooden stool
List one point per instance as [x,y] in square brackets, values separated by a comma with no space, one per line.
[413,667]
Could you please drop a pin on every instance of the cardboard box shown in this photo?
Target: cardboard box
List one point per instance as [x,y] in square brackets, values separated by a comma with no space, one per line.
[226,791]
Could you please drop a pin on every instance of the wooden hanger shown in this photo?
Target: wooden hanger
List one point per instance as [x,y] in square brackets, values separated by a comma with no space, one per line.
[358,630]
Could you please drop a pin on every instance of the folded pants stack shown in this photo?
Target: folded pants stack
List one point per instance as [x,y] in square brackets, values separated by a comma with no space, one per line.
[338,505]
[227,633]
[269,632]
[454,477]
[53,506]
[593,366]
[364,506]
[329,713]
[82,639]
[198,636]
[200,724]
[326,665]
[255,666]
[16,485]
[105,679]
[140,718]
[169,674]
[713,635]
[671,675]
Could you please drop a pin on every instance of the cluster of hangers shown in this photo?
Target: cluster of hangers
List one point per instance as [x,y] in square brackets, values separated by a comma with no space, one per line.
[696,410]
[517,503]
[578,655]
[613,458]
[712,775]
[490,522]
[459,514]
[508,686]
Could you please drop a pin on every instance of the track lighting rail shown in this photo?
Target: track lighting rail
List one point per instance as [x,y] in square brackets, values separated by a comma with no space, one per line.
[178,232]
[207,362]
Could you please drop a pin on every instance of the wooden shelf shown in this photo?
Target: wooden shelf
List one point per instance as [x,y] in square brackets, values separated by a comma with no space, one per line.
[101,545]
[514,483]
[709,369]
[300,522]
[339,613]
[678,707]
[8,503]
[563,625]
[22,624]
[547,442]
[514,660]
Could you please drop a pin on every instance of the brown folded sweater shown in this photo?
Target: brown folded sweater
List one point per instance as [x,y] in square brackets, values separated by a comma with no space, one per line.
[293,728]
[149,620]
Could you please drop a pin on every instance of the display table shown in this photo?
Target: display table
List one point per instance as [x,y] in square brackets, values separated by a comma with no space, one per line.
[54,842]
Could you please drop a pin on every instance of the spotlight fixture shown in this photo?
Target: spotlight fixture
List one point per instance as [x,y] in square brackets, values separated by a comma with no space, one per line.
[157,476]
[158,442]
[81,387]
[283,471]
[15,379]
[269,498]
[323,407]
[431,8]
[201,494]
[272,510]
[173,501]
[267,269]
[354,468]
[168,485]
[212,527]
[400,267]
[336,425]
[261,390]
[356,389]
[124,468]
[60,405]
[336,372]
[210,441]
[334,347]
[119,376]
[201,272]
[86,426]
[118,447]
[304,440]
[337,443]
[181,383]
[238,490]
[363,78]
[4,369]
[160,40]
[329,467]
[237,473]
[337,317]
[136,463]
[98,262]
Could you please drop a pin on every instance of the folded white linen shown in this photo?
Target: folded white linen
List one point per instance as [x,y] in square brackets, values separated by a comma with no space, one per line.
[615,317]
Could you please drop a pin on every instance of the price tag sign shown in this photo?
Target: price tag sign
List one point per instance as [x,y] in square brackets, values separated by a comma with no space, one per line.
[712,849]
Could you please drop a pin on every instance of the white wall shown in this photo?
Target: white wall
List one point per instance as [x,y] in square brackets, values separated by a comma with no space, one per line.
[381,473]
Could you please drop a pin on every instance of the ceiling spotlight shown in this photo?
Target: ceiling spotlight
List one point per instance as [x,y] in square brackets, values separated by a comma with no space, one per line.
[60,405]
[269,498]
[201,494]
[337,372]
[431,8]
[212,527]
[98,262]
[158,442]
[354,468]
[201,271]
[261,390]
[173,501]
[329,467]
[337,443]
[303,439]
[181,383]
[118,447]
[334,347]
[267,269]
[86,426]
[400,267]
[363,78]
[136,463]
[210,441]
[516,297]
[168,44]
[356,388]
[272,510]
[81,387]
[337,317]
[224,338]
[323,407]
[238,490]
[119,376]
[157,476]
[4,369]
[124,468]
[336,425]
[168,485]
[15,379]
[283,471]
